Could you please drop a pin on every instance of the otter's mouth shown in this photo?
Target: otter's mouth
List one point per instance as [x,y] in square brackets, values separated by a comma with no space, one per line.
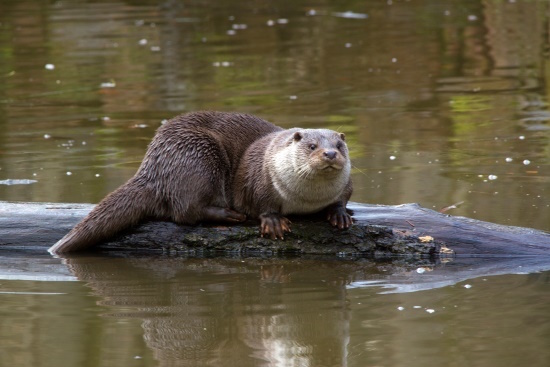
[331,168]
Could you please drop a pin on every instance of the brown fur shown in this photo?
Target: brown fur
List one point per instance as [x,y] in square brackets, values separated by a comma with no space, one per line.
[191,174]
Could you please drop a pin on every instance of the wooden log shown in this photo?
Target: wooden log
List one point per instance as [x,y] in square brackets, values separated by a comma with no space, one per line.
[378,230]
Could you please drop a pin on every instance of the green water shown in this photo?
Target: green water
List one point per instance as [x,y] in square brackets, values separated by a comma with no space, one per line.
[442,102]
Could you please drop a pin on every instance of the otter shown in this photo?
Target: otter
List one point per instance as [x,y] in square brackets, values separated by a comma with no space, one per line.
[223,167]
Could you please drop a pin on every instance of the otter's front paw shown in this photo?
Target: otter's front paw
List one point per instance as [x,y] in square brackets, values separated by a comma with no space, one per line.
[338,217]
[274,226]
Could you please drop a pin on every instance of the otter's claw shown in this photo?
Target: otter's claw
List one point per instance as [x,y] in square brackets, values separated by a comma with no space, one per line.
[274,226]
[338,217]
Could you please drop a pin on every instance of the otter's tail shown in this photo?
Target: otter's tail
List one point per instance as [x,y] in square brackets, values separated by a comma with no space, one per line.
[121,209]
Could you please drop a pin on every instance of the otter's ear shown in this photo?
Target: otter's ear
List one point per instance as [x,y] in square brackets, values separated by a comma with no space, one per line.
[297,136]
[343,136]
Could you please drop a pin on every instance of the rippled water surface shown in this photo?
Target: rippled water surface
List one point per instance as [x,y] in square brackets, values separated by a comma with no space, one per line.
[442,102]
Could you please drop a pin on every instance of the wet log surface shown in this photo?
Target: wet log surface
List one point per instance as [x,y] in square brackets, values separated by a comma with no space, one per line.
[378,230]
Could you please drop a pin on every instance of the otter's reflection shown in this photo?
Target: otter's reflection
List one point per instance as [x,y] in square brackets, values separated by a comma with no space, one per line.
[225,311]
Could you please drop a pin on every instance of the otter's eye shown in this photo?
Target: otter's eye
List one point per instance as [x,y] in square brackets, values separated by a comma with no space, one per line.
[313,147]
[338,145]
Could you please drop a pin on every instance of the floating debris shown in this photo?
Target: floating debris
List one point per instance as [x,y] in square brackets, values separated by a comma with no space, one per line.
[350,15]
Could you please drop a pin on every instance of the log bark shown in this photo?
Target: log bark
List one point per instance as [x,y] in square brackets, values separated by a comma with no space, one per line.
[378,230]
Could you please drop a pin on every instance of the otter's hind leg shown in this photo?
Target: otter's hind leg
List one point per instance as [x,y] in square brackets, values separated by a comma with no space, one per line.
[219,214]
[206,200]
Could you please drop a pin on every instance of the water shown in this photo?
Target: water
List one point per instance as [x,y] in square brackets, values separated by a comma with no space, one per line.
[442,102]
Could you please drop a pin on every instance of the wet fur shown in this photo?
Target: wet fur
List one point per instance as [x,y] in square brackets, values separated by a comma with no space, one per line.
[189,167]
[200,165]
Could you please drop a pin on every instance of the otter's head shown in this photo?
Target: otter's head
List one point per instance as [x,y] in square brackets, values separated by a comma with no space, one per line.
[326,150]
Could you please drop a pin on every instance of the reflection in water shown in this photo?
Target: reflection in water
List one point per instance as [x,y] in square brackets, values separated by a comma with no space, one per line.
[221,312]
[300,312]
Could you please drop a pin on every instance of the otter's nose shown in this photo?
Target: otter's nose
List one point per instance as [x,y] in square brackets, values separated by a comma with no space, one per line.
[330,154]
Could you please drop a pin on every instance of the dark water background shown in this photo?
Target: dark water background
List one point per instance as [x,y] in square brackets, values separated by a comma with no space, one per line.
[441,101]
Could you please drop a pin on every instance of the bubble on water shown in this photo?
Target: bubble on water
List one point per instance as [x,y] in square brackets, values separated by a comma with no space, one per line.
[430,310]
[467,286]
[282,21]
[492,177]
[394,59]
[420,270]
[270,23]
[311,12]
[350,15]
[400,308]
[472,17]
[392,157]
[142,42]
[293,97]
[110,84]
[105,118]
[47,136]
[231,32]
[155,48]
[526,162]
[68,173]
[417,306]
[224,64]
[97,175]
[348,45]
[508,159]
[521,137]
[49,66]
